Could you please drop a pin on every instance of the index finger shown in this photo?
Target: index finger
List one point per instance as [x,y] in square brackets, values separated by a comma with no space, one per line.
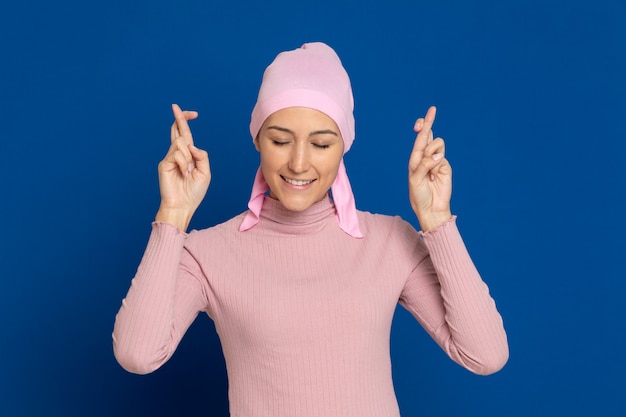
[181,123]
[429,120]
[423,127]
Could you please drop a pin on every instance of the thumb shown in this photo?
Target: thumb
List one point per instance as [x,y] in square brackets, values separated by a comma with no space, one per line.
[425,166]
[201,158]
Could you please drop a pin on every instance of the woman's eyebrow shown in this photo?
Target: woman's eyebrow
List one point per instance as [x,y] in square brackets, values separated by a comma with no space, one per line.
[315,132]
[281,129]
[323,132]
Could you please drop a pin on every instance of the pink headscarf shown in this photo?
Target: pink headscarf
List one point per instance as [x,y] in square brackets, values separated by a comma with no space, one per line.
[311,76]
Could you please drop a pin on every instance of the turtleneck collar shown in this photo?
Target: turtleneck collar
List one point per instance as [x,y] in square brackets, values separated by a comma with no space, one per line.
[276,217]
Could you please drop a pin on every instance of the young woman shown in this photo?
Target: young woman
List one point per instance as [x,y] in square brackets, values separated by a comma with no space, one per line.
[302,287]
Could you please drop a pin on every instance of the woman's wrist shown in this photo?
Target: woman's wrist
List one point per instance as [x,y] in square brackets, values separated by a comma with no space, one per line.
[176,217]
[431,221]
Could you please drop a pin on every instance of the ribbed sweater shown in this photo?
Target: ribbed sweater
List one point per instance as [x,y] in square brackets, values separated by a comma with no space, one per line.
[304,311]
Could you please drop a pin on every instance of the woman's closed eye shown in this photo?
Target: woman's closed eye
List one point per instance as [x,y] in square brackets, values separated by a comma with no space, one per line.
[321,145]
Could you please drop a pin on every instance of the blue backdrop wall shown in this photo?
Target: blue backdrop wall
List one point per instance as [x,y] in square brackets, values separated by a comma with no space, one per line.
[531,98]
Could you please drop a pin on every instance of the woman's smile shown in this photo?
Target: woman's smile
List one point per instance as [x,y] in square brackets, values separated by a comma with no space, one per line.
[298,183]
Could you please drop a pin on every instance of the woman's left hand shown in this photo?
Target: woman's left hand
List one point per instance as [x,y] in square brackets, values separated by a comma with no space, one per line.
[430,176]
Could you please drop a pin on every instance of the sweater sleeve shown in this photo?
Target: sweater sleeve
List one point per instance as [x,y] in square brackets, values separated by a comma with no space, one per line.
[449,298]
[164,298]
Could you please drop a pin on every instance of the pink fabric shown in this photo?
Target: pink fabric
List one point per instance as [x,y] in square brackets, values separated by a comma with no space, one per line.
[302,337]
[311,76]
[256,201]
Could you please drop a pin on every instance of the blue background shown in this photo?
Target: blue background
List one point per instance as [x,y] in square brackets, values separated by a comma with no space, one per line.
[531,98]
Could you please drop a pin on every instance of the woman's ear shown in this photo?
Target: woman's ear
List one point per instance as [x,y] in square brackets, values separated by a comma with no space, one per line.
[256,143]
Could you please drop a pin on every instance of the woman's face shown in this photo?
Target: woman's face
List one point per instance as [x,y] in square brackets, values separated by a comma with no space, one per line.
[301,149]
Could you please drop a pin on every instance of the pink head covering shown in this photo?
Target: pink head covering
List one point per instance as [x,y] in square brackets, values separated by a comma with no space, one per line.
[311,76]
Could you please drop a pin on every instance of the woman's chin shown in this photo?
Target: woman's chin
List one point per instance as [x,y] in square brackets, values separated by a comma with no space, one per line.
[291,205]
[298,202]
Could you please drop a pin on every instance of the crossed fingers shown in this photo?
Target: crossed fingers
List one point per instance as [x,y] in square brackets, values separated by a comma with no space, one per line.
[181,139]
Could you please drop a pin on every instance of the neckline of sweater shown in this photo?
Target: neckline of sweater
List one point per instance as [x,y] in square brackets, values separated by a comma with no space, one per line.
[310,219]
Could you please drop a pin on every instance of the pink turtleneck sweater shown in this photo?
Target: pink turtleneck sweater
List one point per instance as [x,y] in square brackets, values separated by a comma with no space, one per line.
[304,310]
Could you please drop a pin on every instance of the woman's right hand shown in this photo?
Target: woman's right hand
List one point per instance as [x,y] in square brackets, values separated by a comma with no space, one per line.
[184,174]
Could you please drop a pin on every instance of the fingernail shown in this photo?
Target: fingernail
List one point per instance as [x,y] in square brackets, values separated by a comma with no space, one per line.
[432,177]
[437,156]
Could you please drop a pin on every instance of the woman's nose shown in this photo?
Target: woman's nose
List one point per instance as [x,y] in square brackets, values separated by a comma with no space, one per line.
[299,160]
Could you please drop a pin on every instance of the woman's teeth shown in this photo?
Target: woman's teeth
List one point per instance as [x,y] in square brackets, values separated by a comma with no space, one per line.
[297,182]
